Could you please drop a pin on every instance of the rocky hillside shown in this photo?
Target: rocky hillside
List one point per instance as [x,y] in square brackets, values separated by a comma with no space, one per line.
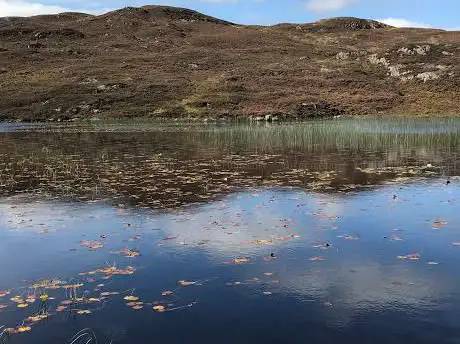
[159,61]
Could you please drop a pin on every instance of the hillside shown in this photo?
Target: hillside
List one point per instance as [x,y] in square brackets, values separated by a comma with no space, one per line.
[159,61]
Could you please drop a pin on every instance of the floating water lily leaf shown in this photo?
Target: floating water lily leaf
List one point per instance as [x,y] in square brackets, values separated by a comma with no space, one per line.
[132,304]
[317,259]
[48,284]
[19,329]
[111,271]
[186,283]
[67,302]
[131,298]
[348,237]
[73,286]
[22,329]
[438,224]
[130,253]
[91,244]
[159,308]
[30,299]
[259,242]
[241,260]
[37,318]
[289,237]
[413,256]
[92,300]
[137,307]
[17,299]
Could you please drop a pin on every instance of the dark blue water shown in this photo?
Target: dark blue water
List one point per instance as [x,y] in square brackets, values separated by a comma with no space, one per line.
[335,275]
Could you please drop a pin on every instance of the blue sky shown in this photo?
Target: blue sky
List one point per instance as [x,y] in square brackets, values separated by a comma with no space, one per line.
[422,13]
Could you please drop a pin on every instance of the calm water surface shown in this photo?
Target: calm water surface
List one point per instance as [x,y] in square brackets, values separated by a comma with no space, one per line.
[319,232]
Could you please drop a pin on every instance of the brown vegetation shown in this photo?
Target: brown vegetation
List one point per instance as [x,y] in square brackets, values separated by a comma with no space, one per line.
[158,61]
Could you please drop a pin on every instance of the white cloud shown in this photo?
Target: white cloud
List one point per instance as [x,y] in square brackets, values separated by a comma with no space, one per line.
[12,8]
[24,8]
[401,22]
[328,5]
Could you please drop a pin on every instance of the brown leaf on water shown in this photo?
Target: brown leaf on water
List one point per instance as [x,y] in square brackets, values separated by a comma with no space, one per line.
[159,308]
[22,329]
[241,260]
[289,237]
[73,286]
[438,224]
[413,256]
[17,299]
[19,329]
[48,284]
[186,283]
[348,237]
[22,305]
[259,242]
[317,259]
[92,300]
[67,302]
[30,299]
[111,271]
[37,318]
[129,253]
[130,298]
[91,244]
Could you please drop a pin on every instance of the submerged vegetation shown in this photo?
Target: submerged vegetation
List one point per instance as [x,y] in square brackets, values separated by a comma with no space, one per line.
[174,165]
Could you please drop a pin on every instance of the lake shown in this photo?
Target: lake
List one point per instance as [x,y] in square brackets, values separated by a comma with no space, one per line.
[191,232]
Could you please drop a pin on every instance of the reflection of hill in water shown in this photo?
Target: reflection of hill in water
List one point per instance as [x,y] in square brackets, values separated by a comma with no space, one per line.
[168,166]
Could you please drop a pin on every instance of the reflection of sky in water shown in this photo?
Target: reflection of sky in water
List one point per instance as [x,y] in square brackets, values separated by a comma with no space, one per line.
[359,279]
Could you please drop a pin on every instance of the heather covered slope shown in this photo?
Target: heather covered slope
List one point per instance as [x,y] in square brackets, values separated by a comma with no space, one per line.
[158,61]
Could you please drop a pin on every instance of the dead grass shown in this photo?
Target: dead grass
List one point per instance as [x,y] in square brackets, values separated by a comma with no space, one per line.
[172,61]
